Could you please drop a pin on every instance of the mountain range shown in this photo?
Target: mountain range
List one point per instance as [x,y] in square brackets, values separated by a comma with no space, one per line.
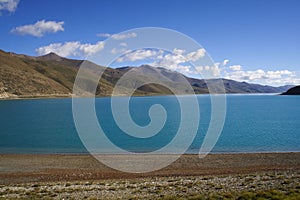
[50,75]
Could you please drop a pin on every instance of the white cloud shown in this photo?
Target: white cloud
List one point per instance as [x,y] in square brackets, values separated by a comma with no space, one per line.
[184,69]
[284,81]
[217,64]
[225,62]
[121,36]
[39,29]
[119,50]
[71,49]
[195,55]
[66,49]
[104,35]
[199,68]
[278,77]
[171,59]
[8,5]
[235,67]
[140,54]
[176,61]
[208,70]
[177,56]
[178,51]
[90,49]
[123,44]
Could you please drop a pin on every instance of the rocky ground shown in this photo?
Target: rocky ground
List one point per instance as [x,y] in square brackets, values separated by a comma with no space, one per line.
[217,176]
[267,185]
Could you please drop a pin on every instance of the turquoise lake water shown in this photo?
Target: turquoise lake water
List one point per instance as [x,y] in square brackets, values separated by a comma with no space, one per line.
[254,123]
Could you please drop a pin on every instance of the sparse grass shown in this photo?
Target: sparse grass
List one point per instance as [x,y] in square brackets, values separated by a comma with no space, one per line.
[243,195]
[241,187]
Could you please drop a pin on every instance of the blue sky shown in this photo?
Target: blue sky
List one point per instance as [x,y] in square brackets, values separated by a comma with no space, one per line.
[259,38]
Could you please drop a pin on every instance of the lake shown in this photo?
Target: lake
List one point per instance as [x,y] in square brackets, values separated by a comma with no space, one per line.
[254,123]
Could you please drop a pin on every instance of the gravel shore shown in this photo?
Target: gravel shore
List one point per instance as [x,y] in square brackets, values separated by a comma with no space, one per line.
[82,177]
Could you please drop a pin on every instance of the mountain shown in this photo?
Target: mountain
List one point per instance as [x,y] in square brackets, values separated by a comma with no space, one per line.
[22,75]
[54,58]
[52,75]
[43,76]
[293,91]
[232,86]
[200,85]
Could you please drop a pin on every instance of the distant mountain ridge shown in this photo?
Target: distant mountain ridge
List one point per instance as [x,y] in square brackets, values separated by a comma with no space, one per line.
[53,75]
[200,85]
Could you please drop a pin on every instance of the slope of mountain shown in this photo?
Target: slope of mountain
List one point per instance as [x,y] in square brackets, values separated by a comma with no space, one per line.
[49,75]
[293,91]
[21,75]
[52,75]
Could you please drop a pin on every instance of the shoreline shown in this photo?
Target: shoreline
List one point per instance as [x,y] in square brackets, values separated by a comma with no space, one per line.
[28,97]
[25,168]
[69,96]
[126,154]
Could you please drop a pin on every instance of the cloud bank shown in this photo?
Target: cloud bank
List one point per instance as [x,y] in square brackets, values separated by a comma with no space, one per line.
[277,77]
